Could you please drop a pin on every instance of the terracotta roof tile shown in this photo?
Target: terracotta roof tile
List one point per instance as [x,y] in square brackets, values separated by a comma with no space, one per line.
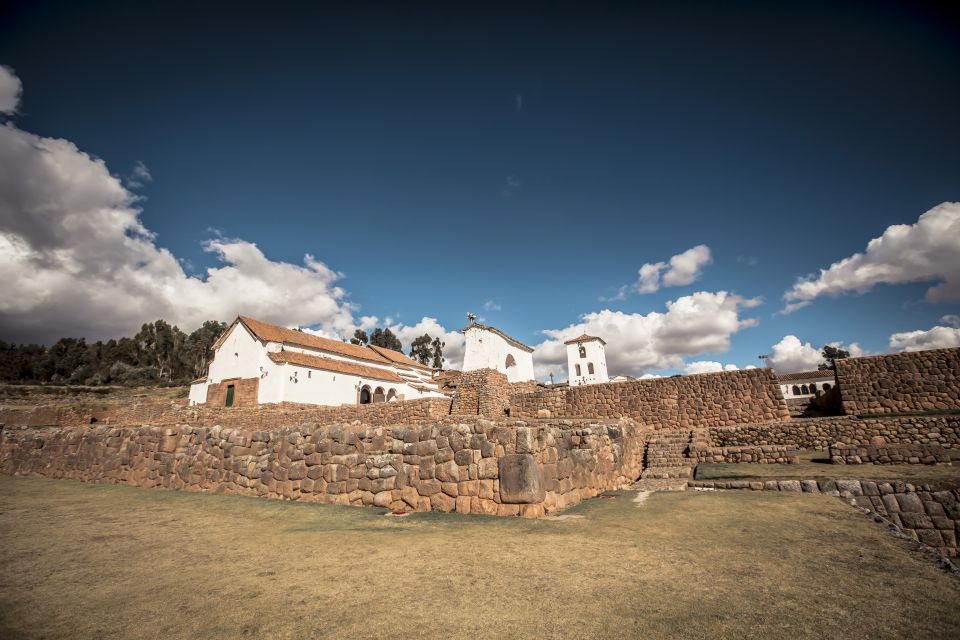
[510,340]
[329,364]
[805,375]
[275,333]
[397,357]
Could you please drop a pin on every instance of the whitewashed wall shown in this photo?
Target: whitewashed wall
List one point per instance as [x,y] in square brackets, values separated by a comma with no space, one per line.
[596,354]
[487,350]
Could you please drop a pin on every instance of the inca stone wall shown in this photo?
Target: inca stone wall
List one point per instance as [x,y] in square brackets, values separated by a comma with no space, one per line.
[256,418]
[469,467]
[766,454]
[921,512]
[900,382]
[820,433]
[683,402]
[889,454]
[486,392]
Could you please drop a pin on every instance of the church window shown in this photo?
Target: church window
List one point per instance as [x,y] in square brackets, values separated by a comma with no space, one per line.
[590,368]
[796,390]
[578,370]
[583,351]
[813,388]
[804,390]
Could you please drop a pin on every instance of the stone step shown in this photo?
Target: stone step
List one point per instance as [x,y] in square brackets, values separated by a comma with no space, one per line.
[660,484]
[667,472]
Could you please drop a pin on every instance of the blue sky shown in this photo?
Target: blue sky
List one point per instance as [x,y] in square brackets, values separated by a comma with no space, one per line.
[531,157]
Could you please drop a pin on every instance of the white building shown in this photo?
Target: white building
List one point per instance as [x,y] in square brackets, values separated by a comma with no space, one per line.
[586,360]
[489,348]
[805,383]
[258,363]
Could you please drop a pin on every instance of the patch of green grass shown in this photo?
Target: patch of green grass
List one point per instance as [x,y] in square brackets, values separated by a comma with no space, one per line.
[907,472]
[95,561]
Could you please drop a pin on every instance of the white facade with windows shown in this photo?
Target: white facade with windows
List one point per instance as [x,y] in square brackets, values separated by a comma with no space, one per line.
[294,366]
[586,360]
[489,348]
[805,383]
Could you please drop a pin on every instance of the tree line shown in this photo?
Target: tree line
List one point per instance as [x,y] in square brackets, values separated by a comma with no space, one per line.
[159,353]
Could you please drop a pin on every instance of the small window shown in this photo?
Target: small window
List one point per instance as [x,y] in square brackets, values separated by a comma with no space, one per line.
[583,351]
[309,373]
[590,368]
[578,370]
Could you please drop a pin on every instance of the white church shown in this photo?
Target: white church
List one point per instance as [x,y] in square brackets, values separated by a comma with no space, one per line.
[586,360]
[489,348]
[257,362]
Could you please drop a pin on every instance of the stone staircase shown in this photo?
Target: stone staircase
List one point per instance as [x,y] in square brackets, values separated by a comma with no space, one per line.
[666,465]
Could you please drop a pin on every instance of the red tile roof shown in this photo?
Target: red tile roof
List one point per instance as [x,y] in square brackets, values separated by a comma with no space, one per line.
[398,358]
[274,333]
[329,364]
[806,375]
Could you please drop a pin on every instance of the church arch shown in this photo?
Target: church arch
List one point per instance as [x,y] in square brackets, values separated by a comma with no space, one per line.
[391,395]
[379,395]
[578,370]
[796,390]
[583,351]
[365,396]
[590,368]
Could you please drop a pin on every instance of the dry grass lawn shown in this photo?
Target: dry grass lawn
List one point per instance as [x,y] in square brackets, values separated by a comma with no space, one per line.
[88,561]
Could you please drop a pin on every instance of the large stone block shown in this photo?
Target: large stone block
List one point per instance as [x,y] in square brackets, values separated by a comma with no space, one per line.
[521,481]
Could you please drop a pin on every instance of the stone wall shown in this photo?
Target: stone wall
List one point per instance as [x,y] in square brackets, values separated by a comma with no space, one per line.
[889,454]
[682,402]
[468,467]
[820,433]
[766,454]
[245,392]
[486,392]
[900,382]
[929,516]
[255,418]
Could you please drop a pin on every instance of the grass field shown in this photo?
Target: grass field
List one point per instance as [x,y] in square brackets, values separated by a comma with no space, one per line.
[89,561]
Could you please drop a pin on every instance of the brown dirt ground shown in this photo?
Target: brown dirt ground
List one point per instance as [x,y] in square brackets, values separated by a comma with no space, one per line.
[92,561]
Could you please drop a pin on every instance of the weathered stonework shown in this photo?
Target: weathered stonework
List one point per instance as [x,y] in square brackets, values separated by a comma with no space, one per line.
[766,454]
[683,402]
[476,467]
[889,454]
[900,382]
[244,392]
[820,433]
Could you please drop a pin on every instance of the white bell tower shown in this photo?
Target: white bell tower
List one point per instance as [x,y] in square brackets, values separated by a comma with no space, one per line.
[586,361]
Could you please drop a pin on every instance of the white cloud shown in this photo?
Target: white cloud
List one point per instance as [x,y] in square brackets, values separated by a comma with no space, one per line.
[938,337]
[708,366]
[491,305]
[790,355]
[682,269]
[454,340]
[139,176]
[10,89]
[698,323]
[926,251]
[854,349]
[76,260]
[951,320]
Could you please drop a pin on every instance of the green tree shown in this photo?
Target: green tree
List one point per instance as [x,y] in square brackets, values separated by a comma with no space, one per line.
[438,353]
[360,337]
[421,349]
[831,355]
[196,351]
[385,338]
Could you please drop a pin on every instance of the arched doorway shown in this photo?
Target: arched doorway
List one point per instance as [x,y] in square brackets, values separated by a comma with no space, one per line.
[365,397]
[378,395]
[391,395]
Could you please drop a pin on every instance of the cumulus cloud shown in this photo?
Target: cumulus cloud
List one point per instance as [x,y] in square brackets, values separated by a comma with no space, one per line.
[454,340]
[10,89]
[75,258]
[790,355]
[938,337]
[702,322]
[491,305]
[926,251]
[682,269]
[708,366]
